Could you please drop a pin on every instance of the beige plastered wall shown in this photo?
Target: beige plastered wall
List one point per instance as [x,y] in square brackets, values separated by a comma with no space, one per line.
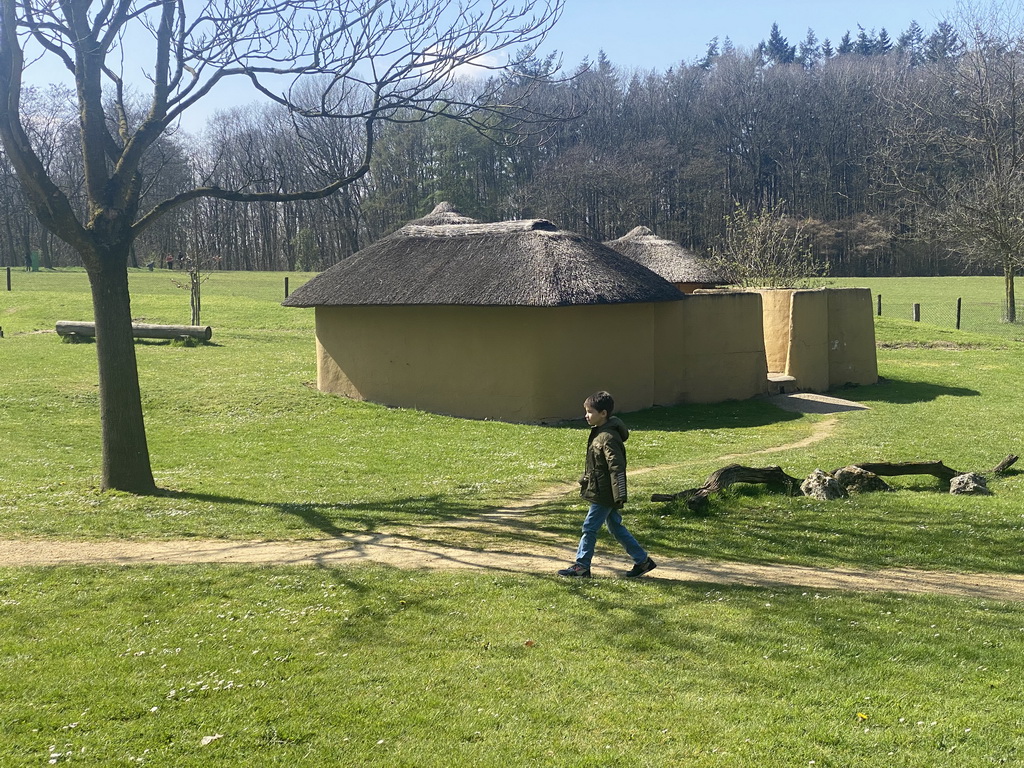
[526,364]
[853,357]
[538,364]
[712,349]
[823,338]
[777,311]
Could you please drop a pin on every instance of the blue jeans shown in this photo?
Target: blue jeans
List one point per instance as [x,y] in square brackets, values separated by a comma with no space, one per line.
[598,516]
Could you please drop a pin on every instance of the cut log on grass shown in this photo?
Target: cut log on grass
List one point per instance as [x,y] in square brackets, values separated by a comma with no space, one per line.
[140,330]
[697,498]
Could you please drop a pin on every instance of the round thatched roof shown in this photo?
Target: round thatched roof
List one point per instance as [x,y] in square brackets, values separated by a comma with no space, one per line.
[443,213]
[512,263]
[669,259]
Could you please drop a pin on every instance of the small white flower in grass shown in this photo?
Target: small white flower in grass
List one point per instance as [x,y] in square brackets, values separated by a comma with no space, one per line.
[210,739]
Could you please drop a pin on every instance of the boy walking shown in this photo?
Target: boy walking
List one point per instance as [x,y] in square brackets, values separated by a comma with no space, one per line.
[604,485]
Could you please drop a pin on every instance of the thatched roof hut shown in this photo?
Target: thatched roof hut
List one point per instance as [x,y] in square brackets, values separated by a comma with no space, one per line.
[668,259]
[528,263]
[520,321]
[515,320]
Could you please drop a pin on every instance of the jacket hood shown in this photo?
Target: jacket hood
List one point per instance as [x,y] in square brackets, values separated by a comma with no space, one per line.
[615,424]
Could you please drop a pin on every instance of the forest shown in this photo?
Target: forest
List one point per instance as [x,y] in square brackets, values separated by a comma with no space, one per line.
[888,155]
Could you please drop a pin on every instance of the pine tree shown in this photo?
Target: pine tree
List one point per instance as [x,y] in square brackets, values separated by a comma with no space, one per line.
[911,43]
[710,55]
[845,45]
[827,51]
[882,43]
[810,51]
[865,45]
[944,43]
[778,50]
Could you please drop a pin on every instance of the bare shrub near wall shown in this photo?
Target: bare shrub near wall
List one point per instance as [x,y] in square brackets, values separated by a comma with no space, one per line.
[766,250]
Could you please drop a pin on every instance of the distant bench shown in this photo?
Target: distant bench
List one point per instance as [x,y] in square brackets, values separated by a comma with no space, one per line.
[140,330]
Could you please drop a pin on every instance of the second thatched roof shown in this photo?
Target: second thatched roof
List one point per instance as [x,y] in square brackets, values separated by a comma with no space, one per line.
[443,213]
[666,257]
[513,263]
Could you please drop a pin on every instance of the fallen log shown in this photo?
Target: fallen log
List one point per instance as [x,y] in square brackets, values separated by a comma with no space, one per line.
[697,498]
[140,330]
[1004,465]
[888,469]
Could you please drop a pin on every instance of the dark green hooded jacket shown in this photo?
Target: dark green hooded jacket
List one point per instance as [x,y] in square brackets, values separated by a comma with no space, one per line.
[604,480]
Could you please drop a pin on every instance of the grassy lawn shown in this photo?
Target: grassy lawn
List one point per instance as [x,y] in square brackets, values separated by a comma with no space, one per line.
[370,666]
[302,666]
[982,301]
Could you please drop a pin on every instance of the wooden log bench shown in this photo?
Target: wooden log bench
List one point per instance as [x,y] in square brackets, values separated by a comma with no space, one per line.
[140,330]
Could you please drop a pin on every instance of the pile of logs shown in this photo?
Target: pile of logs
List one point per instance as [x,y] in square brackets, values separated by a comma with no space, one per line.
[856,478]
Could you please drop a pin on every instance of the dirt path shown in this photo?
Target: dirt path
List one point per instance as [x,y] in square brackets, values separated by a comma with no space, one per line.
[548,552]
[407,552]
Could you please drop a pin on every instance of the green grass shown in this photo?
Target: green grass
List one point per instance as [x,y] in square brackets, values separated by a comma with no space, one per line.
[374,667]
[247,448]
[377,667]
[982,301]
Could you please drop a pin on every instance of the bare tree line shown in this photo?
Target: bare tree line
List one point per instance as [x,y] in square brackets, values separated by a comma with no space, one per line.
[874,147]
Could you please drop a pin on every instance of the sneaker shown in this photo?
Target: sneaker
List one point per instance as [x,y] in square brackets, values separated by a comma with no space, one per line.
[640,569]
[576,570]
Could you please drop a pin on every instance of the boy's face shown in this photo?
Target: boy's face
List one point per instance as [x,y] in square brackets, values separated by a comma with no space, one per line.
[595,418]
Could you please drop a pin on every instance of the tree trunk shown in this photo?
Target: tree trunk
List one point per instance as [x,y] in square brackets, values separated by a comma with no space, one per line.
[126,464]
[45,257]
[195,286]
[1011,300]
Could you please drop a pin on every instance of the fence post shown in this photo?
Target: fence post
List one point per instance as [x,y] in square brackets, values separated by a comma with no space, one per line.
[8,278]
[917,313]
[879,305]
[286,287]
[959,302]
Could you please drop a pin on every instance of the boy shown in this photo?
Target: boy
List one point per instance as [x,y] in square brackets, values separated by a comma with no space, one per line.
[604,485]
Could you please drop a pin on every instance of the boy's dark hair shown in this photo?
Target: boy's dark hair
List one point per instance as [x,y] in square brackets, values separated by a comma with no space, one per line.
[601,401]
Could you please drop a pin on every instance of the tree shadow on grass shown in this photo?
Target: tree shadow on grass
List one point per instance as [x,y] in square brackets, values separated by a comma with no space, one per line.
[357,534]
[426,514]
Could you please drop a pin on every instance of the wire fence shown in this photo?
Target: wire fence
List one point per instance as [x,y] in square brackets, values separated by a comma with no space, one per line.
[958,313]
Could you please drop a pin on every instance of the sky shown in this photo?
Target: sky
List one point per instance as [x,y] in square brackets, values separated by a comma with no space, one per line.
[658,34]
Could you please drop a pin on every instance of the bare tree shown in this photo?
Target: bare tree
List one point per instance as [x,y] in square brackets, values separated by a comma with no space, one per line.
[395,60]
[766,250]
[958,142]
